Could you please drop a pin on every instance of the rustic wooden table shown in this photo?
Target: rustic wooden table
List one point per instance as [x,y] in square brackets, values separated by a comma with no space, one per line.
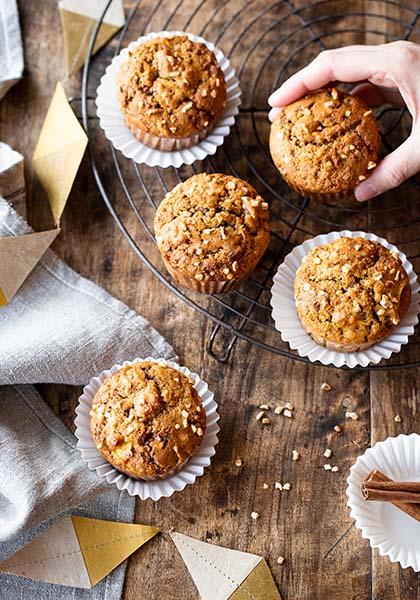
[325,555]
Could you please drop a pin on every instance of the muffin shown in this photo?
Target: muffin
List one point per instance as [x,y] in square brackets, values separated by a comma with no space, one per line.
[147,420]
[171,92]
[211,231]
[325,144]
[351,293]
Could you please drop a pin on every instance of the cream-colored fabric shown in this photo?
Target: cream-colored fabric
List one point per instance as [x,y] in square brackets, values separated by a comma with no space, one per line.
[11,51]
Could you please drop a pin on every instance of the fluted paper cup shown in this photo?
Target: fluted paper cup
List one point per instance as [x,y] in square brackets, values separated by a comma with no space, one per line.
[112,121]
[394,533]
[185,475]
[288,324]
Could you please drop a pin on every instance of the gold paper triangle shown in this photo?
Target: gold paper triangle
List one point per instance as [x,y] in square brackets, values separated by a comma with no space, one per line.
[106,544]
[77,31]
[259,585]
[18,256]
[59,151]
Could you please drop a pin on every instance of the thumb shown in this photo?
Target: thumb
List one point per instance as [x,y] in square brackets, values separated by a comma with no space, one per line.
[392,170]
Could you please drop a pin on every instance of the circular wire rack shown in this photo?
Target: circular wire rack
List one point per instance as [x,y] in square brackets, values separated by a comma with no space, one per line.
[266,43]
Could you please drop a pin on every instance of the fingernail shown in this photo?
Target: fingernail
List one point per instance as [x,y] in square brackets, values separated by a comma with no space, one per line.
[272,98]
[272,115]
[365,191]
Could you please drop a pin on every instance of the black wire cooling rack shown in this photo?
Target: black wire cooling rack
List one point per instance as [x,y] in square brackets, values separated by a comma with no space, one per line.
[265,42]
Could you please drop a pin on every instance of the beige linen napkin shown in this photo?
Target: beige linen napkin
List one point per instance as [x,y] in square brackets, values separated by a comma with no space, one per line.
[59,327]
[11,51]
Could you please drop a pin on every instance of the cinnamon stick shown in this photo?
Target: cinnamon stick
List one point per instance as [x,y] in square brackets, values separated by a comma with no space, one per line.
[376,477]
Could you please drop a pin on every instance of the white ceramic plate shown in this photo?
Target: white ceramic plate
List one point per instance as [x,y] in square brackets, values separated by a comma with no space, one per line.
[394,533]
[159,488]
[112,122]
[287,321]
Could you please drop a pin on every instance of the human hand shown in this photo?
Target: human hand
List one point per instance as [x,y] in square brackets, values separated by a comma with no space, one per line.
[391,75]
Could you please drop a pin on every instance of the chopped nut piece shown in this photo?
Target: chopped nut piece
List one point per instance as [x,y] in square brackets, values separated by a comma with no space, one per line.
[371,165]
[335,469]
[397,419]
[254,202]
[295,455]
[289,406]
[177,425]
[199,432]
[260,415]
[347,113]
[287,413]
[286,486]
[265,486]
[367,112]
[352,147]
[264,205]
[199,276]
[204,93]
[278,485]
[238,462]
[254,515]
[193,427]
[337,428]
[317,260]
[235,266]
[278,410]
[325,387]
[328,453]
[352,415]
[327,467]
[226,271]
[362,177]
[280,560]
[334,94]
[184,413]
[264,407]
[265,421]
[328,104]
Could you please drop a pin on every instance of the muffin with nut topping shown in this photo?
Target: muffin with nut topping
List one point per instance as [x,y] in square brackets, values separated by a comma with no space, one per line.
[212,230]
[171,91]
[351,293]
[147,420]
[325,144]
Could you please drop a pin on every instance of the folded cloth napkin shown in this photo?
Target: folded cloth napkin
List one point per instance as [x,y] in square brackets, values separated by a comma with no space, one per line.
[11,51]
[59,327]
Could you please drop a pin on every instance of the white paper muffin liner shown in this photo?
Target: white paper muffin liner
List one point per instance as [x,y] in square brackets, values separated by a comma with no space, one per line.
[112,122]
[287,321]
[393,532]
[154,489]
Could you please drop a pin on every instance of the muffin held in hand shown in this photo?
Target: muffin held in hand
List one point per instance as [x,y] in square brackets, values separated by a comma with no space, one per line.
[325,144]
[211,231]
[351,293]
[147,420]
[171,91]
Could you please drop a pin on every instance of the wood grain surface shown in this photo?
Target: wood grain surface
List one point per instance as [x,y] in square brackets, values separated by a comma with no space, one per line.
[325,555]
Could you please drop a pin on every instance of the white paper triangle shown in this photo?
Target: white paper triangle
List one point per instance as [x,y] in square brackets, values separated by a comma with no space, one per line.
[93,9]
[54,556]
[217,572]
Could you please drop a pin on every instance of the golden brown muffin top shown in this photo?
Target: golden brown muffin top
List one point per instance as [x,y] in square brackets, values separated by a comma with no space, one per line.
[147,419]
[212,226]
[326,142]
[351,291]
[171,87]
